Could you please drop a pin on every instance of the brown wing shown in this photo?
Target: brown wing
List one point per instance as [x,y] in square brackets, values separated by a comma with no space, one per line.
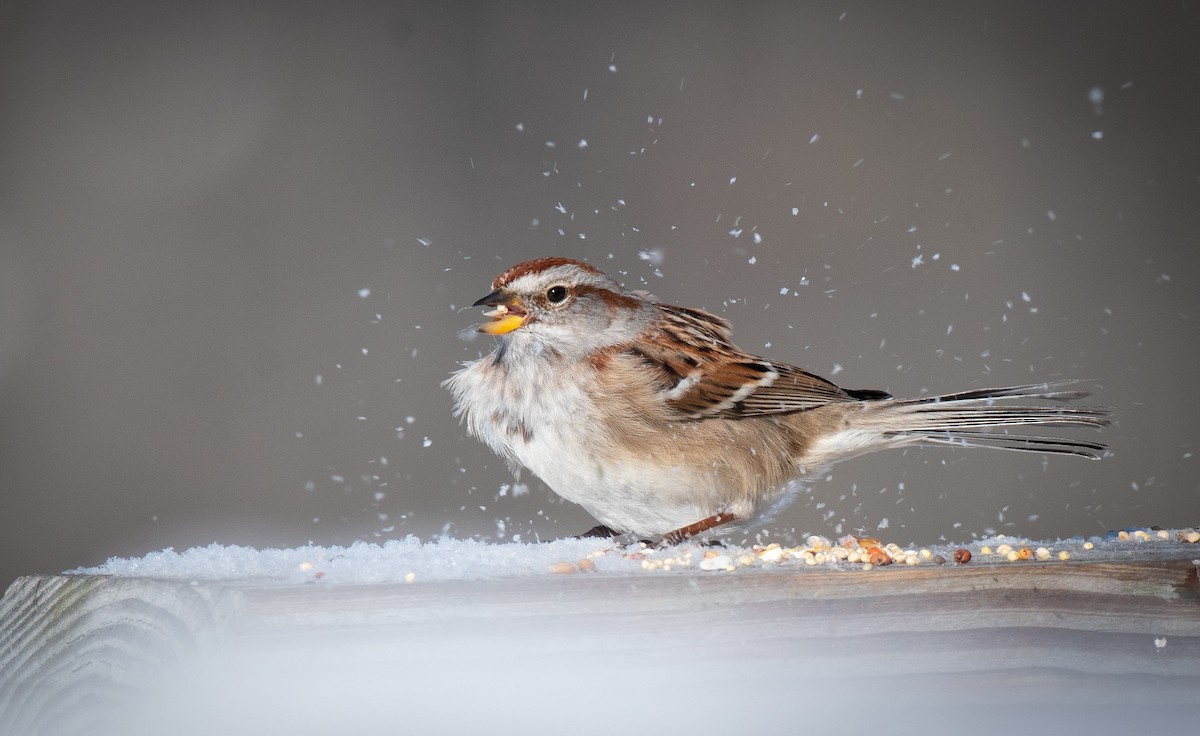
[702,373]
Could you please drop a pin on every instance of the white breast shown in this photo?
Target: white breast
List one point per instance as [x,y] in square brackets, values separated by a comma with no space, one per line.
[545,422]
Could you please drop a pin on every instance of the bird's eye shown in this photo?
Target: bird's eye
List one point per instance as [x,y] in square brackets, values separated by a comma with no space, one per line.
[556,293]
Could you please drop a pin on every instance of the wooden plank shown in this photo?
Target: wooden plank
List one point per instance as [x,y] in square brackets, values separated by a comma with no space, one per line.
[83,654]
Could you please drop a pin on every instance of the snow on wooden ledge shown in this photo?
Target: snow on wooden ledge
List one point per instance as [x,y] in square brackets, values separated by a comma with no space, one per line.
[1100,642]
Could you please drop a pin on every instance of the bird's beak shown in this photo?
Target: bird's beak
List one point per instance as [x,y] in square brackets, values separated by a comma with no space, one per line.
[506,317]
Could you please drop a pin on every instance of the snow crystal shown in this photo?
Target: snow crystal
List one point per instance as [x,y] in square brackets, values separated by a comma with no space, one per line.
[654,256]
[363,293]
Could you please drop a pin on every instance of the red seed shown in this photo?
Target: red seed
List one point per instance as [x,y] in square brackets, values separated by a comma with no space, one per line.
[878,557]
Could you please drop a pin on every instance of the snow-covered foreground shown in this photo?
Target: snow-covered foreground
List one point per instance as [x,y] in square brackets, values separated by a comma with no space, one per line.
[410,560]
[465,637]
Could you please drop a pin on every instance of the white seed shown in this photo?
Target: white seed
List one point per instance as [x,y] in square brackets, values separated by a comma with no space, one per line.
[771,554]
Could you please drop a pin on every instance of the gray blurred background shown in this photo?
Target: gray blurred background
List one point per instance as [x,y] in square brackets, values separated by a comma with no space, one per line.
[237,240]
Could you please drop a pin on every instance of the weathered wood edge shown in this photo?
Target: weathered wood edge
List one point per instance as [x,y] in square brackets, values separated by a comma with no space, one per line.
[66,639]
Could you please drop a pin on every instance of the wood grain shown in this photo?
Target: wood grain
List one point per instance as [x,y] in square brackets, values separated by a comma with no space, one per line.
[80,654]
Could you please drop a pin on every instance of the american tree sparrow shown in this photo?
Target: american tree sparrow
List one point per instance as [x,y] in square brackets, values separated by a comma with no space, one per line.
[648,416]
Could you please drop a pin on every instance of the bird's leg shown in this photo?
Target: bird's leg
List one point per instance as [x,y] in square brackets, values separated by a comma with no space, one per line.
[687,532]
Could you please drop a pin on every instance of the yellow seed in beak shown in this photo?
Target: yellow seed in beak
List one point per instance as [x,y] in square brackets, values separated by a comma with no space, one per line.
[503,324]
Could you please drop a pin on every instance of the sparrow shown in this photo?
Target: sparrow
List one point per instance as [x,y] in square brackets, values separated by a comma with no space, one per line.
[650,418]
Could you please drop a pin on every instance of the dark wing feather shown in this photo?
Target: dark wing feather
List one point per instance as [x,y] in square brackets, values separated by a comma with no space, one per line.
[793,390]
[703,374]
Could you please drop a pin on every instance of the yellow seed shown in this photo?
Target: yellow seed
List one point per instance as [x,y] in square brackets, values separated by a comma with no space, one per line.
[1123,535]
[1163,534]
[985,550]
[306,566]
[1064,555]
[1088,545]
[926,554]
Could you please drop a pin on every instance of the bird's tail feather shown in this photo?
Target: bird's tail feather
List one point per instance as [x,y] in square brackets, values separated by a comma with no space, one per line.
[978,418]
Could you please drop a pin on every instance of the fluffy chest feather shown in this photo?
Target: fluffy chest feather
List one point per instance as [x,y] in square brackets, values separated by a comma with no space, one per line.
[544,420]
[534,414]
